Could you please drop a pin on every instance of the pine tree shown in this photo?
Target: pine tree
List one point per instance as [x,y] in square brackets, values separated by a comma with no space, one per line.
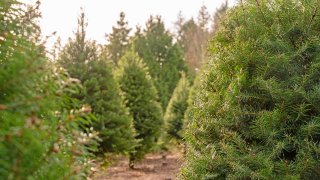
[38,140]
[176,108]
[141,98]
[256,115]
[100,91]
[118,40]
[163,57]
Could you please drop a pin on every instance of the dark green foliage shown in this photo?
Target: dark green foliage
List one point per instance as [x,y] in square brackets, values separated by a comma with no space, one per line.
[176,108]
[141,98]
[101,92]
[257,113]
[39,136]
[163,57]
[114,123]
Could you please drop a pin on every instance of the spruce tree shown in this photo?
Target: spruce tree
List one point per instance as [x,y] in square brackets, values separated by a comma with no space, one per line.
[177,106]
[256,115]
[141,98]
[163,57]
[118,40]
[39,138]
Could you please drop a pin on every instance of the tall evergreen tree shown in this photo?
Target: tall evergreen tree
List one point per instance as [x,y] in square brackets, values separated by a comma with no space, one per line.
[177,106]
[80,58]
[141,98]
[118,40]
[37,138]
[163,57]
[257,113]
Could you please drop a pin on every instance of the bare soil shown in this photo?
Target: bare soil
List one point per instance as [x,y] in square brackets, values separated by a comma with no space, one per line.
[158,166]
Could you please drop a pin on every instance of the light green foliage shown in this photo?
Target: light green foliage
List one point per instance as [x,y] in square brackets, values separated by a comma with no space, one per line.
[39,136]
[257,113]
[141,98]
[113,122]
[163,57]
[176,108]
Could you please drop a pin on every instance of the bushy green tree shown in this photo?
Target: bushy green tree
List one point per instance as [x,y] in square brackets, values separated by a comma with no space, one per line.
[141,98]
[114,123]
[39,136]
[177,106]
[257,113]
[163,57]
[100,91]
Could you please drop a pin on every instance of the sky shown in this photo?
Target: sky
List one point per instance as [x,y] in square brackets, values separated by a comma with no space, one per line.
[60,16]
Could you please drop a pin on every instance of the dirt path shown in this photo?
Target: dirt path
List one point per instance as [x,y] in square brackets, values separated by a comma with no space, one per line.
[153,167]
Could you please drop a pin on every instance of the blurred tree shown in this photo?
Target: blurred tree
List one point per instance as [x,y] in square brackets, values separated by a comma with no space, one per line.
[100,90]
[141,98]
[163,57]
[118,40]
[39,134]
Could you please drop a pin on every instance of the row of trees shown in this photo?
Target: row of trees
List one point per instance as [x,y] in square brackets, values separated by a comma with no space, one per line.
[57,114]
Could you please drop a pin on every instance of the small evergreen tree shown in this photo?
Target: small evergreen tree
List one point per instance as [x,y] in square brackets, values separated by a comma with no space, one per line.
[80,58]
[256,115]
[176,108]
[114,123]
[141,98]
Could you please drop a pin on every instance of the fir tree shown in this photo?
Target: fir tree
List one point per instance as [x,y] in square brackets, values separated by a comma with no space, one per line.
[256,115]
[141,98]
[118,40]
[113,122]
[176,108]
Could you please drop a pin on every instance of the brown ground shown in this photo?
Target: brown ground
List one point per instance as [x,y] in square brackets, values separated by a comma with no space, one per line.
[158,166]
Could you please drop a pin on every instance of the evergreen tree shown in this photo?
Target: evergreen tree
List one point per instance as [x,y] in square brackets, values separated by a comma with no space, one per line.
[118,40]
[163,57]
[218,15]
[113,122]
[38,140]
[141,98]
[176,108]
[256,115]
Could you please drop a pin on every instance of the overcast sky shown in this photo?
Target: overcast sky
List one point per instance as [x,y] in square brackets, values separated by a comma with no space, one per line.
[61,15]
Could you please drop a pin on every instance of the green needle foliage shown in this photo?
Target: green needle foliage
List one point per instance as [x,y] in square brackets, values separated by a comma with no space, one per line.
[176,108]
[257,113]
[141,98]
[114,123]
[39,135]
